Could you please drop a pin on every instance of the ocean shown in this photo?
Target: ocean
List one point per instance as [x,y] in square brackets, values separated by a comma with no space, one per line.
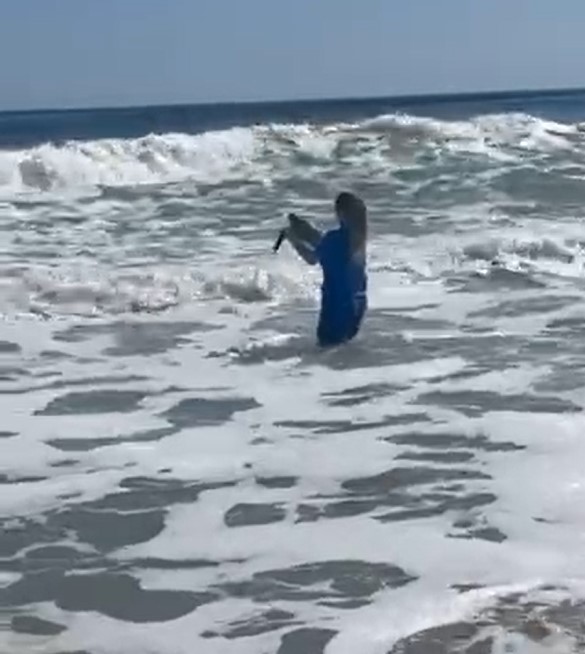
[183,471]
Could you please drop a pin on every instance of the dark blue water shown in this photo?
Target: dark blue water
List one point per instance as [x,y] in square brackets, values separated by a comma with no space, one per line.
[29,128]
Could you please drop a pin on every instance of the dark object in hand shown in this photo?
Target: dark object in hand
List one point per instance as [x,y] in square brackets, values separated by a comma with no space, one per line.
[279,240]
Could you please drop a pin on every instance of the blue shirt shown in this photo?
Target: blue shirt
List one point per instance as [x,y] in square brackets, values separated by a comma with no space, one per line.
[343,292]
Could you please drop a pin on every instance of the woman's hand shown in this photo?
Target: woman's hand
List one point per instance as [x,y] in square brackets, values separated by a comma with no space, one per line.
[297,227]
[302,230]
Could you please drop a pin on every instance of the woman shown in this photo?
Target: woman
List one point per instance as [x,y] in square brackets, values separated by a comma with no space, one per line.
[341,253]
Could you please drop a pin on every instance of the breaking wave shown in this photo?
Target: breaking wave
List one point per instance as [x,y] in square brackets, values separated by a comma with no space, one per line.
[255,152]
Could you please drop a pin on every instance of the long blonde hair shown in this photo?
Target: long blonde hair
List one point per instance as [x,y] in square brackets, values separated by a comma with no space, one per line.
[355,217]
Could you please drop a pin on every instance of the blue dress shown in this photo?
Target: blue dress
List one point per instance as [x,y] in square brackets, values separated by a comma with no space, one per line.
[343,292]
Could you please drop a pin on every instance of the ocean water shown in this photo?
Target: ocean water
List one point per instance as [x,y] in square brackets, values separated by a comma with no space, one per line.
[182,470]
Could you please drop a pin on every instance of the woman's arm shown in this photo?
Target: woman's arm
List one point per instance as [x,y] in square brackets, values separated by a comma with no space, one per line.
[303,230]
[305,250]
[304,238]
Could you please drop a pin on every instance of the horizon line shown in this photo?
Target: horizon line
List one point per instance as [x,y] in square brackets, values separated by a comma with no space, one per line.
[409,98]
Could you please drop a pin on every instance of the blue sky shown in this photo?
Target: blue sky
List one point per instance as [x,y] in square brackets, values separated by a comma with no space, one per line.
[66,53]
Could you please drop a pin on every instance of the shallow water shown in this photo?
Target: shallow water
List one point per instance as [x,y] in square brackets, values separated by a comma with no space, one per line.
[183,470]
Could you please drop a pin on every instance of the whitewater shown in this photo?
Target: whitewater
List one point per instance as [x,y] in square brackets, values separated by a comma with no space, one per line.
[183,470]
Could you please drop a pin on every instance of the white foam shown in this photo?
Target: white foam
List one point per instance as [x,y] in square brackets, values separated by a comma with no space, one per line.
[153,158]
[84,288]
[389,622]
[264,153]
[203,258]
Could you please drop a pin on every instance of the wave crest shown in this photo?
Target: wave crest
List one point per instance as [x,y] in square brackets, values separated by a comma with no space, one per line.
[261,151]
[114,162]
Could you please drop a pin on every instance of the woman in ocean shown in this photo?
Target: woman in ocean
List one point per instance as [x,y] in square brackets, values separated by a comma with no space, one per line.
[341,252]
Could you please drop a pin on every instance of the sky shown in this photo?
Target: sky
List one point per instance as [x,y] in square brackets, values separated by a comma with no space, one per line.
[90,53]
